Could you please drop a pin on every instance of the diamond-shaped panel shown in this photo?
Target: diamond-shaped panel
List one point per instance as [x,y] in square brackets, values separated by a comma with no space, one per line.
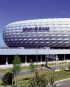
[57,33]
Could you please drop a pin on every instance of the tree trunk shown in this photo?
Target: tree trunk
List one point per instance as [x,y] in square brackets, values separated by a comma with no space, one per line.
[12,81]
[15,80]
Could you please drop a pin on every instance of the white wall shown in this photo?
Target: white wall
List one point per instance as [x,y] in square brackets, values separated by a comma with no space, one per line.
[33,51]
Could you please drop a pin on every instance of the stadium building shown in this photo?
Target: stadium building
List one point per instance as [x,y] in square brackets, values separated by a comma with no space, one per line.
[35,39]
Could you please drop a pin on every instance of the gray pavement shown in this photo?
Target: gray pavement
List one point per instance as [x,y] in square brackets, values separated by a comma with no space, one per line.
[61,83]
[25,72]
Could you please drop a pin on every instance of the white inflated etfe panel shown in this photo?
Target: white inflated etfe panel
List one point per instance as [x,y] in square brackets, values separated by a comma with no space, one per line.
[51,32]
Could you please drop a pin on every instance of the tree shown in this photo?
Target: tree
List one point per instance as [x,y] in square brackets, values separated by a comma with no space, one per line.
[16,66]
[31,66]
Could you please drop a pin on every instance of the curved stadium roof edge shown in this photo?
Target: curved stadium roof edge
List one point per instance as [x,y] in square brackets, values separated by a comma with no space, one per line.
[36,20]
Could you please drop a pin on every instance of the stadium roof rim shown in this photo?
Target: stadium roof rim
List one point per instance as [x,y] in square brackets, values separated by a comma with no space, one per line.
[39,20]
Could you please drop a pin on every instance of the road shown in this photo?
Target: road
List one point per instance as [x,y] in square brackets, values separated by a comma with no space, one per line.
[64,83]
[25,72]
[61,83]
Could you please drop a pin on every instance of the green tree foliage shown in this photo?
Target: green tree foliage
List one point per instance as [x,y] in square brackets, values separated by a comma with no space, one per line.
[7,79]
[16,66]
[31,66]
[38,80]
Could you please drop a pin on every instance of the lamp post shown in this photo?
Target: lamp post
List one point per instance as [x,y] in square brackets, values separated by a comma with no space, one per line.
[57,64]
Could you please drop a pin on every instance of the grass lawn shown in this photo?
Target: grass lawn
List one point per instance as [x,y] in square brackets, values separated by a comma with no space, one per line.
[62,74]
[27,67]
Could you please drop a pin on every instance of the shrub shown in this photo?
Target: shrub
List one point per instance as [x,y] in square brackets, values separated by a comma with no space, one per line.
[38,81]
[7,79]
[52,81]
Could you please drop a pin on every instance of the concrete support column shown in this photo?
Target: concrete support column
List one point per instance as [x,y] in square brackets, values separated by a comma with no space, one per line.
[46,60]
[64,58]
[25,58]
[41,59]
[6,60]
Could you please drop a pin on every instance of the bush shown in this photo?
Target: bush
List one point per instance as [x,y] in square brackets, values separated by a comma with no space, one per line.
[38,80]
[7,79]
[52,81]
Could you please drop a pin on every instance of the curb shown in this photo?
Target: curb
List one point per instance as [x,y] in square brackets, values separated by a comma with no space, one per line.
[62,80]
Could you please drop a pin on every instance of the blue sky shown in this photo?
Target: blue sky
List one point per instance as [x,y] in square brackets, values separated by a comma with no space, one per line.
[17,10]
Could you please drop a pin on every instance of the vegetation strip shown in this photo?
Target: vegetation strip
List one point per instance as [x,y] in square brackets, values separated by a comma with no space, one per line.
[60,75]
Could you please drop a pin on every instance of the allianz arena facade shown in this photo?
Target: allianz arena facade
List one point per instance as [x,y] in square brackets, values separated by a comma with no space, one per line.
[36,39]
[52,32]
